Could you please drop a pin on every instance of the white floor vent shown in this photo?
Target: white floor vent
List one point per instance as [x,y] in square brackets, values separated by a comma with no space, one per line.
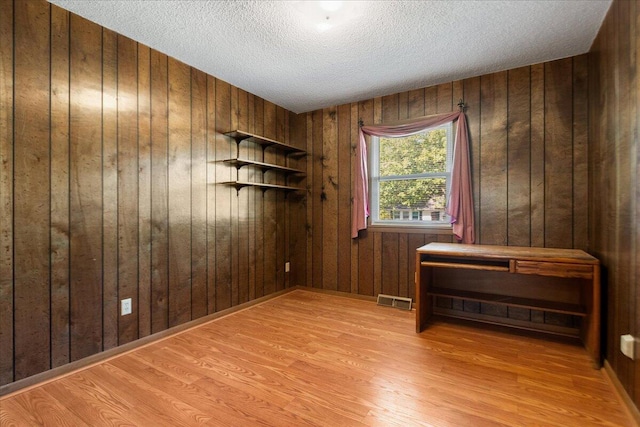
[393,301]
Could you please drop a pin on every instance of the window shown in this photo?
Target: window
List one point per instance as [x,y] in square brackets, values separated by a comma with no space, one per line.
[410,178]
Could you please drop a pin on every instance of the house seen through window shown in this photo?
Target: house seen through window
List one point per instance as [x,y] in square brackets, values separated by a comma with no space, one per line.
[410,178]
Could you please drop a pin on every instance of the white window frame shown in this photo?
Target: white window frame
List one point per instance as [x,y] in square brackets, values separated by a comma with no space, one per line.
[375,179]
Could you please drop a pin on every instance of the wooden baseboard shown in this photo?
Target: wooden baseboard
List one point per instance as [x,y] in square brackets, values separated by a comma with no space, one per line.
[79,365]
[631,408]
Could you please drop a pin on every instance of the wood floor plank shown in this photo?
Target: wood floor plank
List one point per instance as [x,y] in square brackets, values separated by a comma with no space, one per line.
[309,358]
[87,401]
[320,415]
[150,405]
[41,409]
[151,378]
[243,350]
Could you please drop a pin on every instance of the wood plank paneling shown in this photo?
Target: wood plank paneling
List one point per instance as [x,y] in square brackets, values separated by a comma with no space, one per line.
[31,208]
[403,264]
[624,187]
[159,194]
[234,220]
[416,103]
[59,187]
[493,159]
[259,204]
[518,157]
[211,194]
[251,203]
[308,197]
[282,213]
[610,156]
[224,196]
[86,213]
[127,188]
[389,265]
[179,176]
[634,122]
[243,209]
[198,194]
[298,210]
[558,163]
[329,205]
[6,192]
[343,195]
[537,156]
[270,210]
[318,196]
[377,266]
[444,102]
[580,131]
[110,308]
[144,190]
[403,105]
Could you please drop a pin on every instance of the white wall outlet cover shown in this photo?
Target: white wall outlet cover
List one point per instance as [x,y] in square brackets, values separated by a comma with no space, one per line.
[287,267]
[627,344]
[125,307]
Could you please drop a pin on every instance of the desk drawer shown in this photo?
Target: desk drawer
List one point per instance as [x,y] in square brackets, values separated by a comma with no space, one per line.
[555,269]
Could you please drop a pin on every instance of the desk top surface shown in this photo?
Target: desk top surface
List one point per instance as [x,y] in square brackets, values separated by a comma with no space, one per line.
[508,252]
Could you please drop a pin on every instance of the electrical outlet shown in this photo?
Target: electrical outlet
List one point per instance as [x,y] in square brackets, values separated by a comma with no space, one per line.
[627,343]
[287,267]
[125,307]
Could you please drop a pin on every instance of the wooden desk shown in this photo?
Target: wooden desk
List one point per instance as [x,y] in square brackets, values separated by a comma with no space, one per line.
[543,282]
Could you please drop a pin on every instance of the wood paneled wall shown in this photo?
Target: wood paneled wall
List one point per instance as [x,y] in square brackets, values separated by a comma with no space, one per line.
[614,126]
[528,129]
[109,154]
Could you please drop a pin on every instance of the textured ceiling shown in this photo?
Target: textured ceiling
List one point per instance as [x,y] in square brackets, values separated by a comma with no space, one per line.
[275,50]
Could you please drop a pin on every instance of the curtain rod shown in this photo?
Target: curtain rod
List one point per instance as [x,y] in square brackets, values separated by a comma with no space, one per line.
[461,106]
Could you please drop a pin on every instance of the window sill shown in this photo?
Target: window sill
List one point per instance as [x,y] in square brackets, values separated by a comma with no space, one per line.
[411,229]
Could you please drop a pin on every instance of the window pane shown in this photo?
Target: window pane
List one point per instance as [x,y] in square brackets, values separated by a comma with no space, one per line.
[413,199]
[425,152]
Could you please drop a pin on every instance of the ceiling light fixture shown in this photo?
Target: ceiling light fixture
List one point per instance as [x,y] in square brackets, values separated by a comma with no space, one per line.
[325,15]
[330,6]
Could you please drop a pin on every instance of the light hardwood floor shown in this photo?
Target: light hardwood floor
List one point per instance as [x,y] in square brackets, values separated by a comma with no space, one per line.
[308,358]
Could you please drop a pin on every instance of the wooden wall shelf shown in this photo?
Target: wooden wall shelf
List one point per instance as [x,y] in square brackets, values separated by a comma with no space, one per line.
[240,135]
[560,281]
[289,150]
[238,163]
[240,184]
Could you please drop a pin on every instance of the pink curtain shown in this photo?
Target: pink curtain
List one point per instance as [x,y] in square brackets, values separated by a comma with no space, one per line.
[460,203]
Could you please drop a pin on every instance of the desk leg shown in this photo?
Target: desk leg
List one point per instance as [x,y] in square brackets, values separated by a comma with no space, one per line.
[424,302]
[591,331]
